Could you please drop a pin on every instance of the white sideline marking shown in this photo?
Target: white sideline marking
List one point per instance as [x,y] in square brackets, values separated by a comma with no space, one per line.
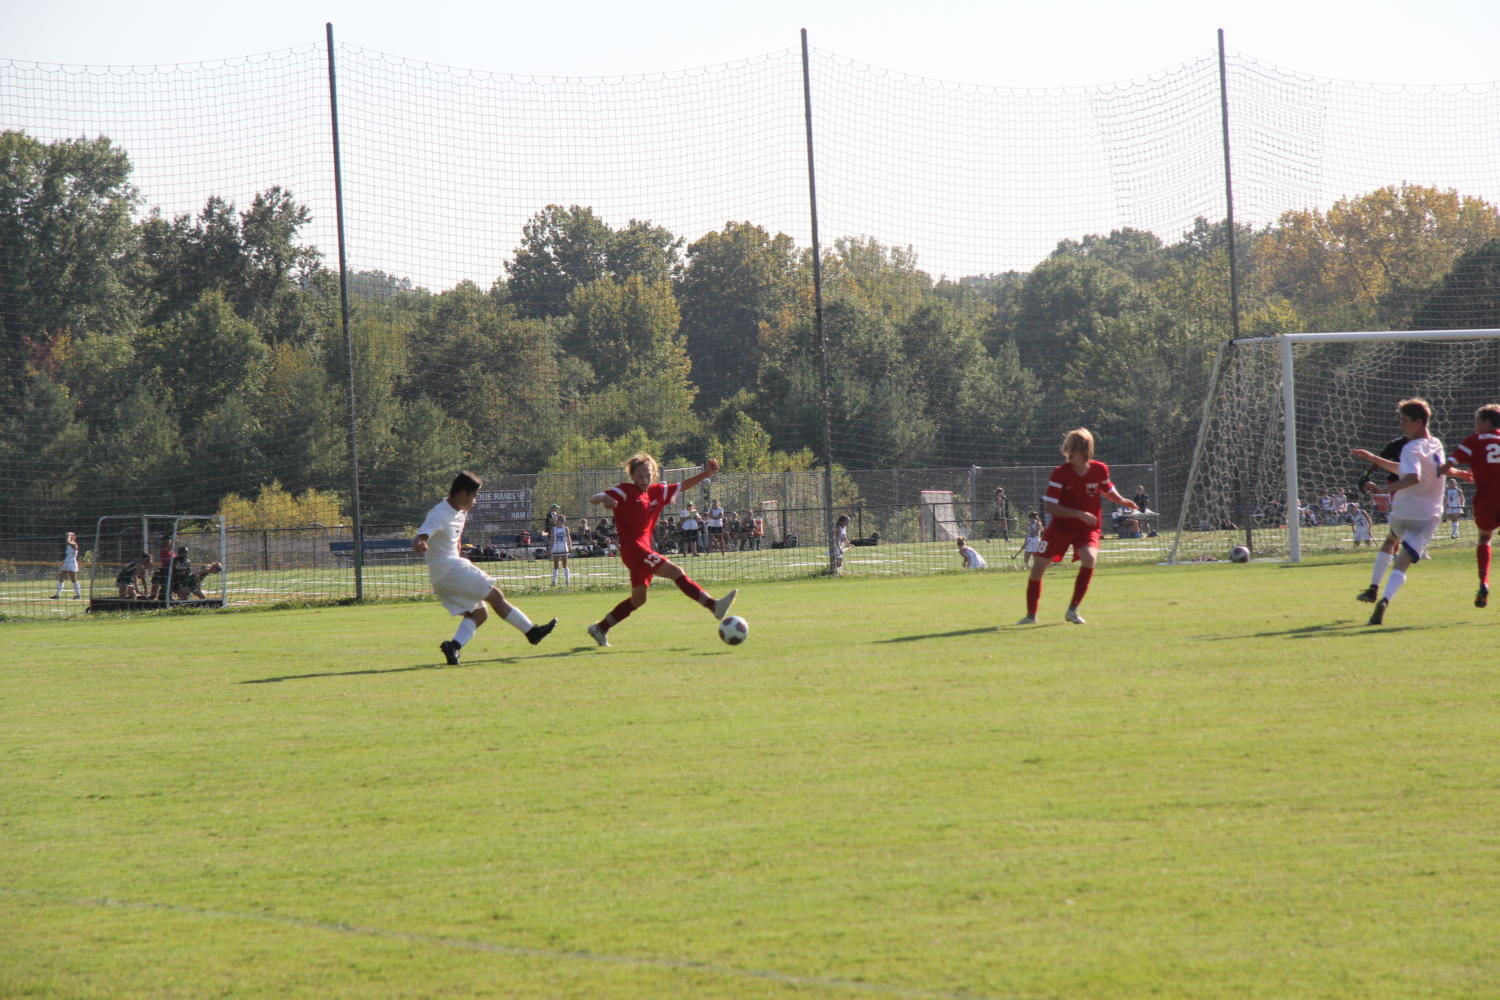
[516,951]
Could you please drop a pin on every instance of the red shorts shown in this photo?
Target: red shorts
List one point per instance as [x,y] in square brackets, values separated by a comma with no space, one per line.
[641,563]
[1064,532]
[1487,511]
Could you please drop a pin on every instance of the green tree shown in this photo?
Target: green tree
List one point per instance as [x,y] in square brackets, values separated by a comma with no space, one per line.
[1370,261]
[302,419]
[738,283]
[1468,296]
[40,448]
[629,332]
[251,258]
[69,245]
[563,248]
[203,355]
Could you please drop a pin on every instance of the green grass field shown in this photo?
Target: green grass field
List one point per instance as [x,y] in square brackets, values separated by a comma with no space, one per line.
[1225,785]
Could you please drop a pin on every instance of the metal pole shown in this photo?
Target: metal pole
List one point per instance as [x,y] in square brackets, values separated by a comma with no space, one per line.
[1234,274]
[817,263]
[1246,503]
[338,194]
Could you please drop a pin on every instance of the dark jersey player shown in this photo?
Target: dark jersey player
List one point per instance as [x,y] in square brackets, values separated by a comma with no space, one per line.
[1480,451]
[636,505]
[1073,498]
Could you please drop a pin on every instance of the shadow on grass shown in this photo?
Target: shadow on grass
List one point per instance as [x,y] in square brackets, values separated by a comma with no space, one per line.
[939,635]
[421,666]
[1328,629]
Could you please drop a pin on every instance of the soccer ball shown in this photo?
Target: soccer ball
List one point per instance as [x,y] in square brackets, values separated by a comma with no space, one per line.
[1239,554]
[734,630]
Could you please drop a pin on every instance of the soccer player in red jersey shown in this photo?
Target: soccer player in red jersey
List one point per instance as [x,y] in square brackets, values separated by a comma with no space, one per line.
[1073,497]
[636,506]
[1480,451]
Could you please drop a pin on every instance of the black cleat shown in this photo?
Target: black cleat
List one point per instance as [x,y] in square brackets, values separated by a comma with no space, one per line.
[450,652]
[537,633]
[1377,617]
[1483,596]
[1369,595]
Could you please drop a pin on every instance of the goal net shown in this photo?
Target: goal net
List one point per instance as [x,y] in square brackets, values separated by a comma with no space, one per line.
[939,522]
[1272,468]
[141,562]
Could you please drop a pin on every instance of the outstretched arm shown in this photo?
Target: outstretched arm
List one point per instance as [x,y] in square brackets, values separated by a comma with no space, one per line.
[1394,468]
[709,468]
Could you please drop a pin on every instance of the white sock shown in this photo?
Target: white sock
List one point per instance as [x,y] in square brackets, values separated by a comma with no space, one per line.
[554,576]
[1382,563]
[58,591]
[518,618]
[1398,577]
[567,575]
[466,630]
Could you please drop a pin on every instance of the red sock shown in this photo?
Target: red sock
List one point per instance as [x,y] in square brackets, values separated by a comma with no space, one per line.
[1482,557]
[1033,596]
[688,587]
[620,613]
[1081,585]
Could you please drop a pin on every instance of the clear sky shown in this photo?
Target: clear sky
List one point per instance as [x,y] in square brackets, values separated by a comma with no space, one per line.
[1037,44]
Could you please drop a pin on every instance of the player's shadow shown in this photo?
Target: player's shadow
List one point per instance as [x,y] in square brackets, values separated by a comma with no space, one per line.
[1324,629]
[345,673]
[938,635]
[419,666]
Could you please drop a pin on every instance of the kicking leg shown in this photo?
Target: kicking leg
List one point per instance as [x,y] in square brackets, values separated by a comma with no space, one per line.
[517,618]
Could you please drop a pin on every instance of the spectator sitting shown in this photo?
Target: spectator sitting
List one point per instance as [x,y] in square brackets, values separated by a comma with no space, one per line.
[186,581]
[132,580]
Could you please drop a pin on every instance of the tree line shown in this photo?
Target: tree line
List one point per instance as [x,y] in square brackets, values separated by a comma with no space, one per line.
[165,363]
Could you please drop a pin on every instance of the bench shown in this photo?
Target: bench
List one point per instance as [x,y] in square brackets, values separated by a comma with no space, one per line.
[373,547]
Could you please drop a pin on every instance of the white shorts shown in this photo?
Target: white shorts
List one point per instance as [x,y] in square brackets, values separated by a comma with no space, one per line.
[1362,533]
[1033,545]
[460,585]
[70,565]
[1415,533]
[560,550]
[1456,512]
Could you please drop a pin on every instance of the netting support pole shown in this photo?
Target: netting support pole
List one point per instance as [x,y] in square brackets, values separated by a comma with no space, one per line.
[338,195]
[817,264]
[1234,273]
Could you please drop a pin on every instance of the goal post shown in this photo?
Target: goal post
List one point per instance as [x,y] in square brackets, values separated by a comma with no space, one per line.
[939,521]
[1272,467]
[121,539]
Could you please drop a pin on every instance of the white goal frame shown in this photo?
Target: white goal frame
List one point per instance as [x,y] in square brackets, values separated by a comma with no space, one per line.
[935,503]
[1286,342]
[147,522]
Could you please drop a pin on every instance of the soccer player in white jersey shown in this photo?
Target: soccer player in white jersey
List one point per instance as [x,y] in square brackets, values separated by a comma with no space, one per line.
[560,545]
[463,588]
[1453,505]
[971,557]
[1416,497]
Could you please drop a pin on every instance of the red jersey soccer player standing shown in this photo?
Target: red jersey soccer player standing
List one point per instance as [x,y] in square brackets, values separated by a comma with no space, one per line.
[1073,499]
[636,506]
[1480,451]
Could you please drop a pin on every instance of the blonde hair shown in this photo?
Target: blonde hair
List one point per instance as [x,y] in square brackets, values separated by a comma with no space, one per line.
[1079,440]
[642,458]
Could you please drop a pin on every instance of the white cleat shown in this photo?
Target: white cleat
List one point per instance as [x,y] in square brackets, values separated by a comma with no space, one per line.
[1028,620]
[1074,617]
[721,606]
[598,635]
